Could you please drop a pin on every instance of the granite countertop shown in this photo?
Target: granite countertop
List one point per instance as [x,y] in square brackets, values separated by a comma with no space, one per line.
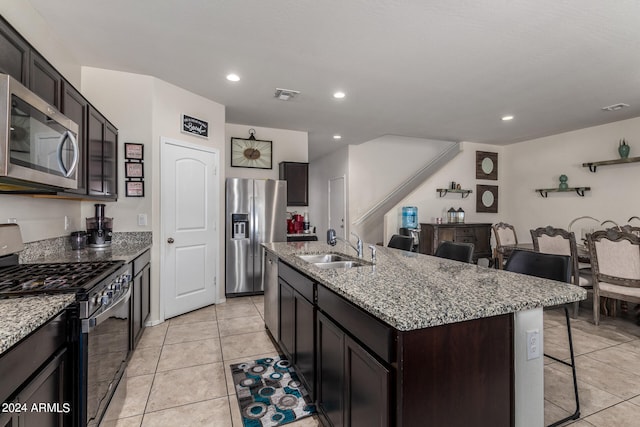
[414,291]
[21,316]
[125,247]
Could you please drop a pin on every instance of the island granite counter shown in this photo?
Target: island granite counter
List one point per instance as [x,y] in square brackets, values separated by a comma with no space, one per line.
[19,317]
[457,337]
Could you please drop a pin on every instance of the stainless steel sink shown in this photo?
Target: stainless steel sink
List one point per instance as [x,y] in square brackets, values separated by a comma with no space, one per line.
[323,258]
[340,264]
[336,261]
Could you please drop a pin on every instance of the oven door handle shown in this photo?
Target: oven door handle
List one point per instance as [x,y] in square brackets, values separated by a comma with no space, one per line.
[89,324]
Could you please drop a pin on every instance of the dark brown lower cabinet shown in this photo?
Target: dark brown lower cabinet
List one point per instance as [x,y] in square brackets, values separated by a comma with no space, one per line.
[368,373]
[140,302]
[46,392]
[353,387]
[330,347]
[36,379]
[297,338]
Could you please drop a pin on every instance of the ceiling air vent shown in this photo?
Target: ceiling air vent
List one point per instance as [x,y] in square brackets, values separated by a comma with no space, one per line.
[615,107]
[285,94]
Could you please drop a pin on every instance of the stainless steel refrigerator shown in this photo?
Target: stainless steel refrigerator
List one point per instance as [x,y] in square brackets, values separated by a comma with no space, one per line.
[256,213]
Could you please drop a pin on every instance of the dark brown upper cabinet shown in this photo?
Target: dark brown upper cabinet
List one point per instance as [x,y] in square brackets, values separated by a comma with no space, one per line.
[97,138]
[14,53]
[102,141]
[44,80]
[297,176]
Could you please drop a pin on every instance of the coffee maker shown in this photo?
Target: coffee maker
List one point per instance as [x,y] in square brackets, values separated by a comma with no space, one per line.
[99,229]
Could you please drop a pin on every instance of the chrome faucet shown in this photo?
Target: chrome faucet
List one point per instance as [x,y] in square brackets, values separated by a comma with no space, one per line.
[332,239]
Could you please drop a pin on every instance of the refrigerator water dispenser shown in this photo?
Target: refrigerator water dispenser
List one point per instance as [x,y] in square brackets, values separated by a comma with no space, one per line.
[240,226]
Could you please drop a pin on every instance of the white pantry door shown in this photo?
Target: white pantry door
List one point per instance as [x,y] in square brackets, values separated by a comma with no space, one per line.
[337,206]
[189,189]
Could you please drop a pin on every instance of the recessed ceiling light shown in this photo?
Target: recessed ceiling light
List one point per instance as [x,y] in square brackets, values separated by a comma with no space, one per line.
[337,137]
[507,118]
[339,95]
[233,77]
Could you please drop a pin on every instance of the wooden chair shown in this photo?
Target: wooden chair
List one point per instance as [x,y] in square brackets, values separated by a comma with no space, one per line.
[456,251]
[630,229]
[554,267]
[505,235]
[558,241]
[615,261]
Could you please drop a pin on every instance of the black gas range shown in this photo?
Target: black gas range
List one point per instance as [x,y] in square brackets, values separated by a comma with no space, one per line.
[100,321]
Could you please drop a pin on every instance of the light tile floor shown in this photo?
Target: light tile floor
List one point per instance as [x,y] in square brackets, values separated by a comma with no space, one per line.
[179,374]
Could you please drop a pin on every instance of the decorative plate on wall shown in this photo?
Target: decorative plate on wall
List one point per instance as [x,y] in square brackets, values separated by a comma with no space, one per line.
[487,198]
[486,165]
[251,153]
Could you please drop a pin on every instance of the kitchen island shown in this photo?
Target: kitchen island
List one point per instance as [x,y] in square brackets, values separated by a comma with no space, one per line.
[414,339]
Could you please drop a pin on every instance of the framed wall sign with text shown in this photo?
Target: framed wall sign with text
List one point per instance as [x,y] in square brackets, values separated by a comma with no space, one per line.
[133,151]
[134,188]
[134,170]
[195,126]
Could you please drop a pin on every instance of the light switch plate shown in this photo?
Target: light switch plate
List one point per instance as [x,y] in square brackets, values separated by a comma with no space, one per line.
[142,219]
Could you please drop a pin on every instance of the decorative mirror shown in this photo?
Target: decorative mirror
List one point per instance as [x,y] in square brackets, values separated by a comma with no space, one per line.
[487,198]
[486,165]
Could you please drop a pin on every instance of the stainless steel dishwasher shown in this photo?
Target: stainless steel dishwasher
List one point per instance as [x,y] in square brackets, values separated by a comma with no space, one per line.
[271,300]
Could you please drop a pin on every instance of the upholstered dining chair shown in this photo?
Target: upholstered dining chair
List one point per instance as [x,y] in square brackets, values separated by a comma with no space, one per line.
[615,261]
[554,267]
[627,228]
[398,241]
[559,241]
[456,251]
[505,235]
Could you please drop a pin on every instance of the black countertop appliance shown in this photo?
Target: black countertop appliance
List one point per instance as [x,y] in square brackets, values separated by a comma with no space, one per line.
[99,229]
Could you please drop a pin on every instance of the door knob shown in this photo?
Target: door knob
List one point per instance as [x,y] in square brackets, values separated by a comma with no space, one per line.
[170,240]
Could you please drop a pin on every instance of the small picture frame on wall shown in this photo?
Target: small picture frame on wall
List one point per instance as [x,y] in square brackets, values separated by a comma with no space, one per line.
[134,170]
[487,198]
[486,165]
[134,189]
[133,151]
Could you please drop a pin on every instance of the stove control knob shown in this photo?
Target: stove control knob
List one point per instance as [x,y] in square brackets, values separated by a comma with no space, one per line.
[105,299]
[117,286]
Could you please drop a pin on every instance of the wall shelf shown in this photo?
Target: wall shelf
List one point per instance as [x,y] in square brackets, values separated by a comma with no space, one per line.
[593,165]
[464,193]
[579,190]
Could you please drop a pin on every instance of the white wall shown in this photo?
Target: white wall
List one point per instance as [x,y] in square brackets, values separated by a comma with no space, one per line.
[145,109]
[378,166]
[538,164]
[332,165]
[461,170]
[40,218]
[288,146]
[126,100]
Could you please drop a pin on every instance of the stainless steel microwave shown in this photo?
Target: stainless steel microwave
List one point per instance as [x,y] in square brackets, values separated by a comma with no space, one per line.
[38,145]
